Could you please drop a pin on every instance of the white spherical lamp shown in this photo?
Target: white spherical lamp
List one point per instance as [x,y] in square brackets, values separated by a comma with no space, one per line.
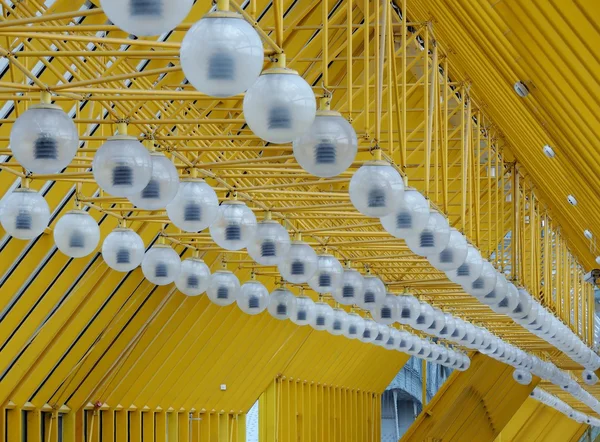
[302,311]
[24,214]
[253,298]
[161,265]
[373,293]
[355,326]
[195,206]
[338,323]
[376,189]
[223,288]
[280,106]
[146,18]
[328,147]
[424,318]
[328,276]
[122,166]
[497,293]
[453,255]
[323,316]
[222,55]
[280,303]
[44,139]
[123,250]
[485,283]
[589,377]
[371,331]
[388,311]
[350,291]
[522,377]
[392,342]
[269,244]
[76,234]
[162,187]
[508,302]
[449,327]
[383,333]
[193,278]
[410,216]
[469,270]
[409,309]
[300,263]
[439,321]
[460,330]
[234,227]
[524,305]
[433,238]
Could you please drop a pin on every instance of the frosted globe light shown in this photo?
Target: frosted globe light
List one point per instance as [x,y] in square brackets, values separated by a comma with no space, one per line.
[469,335]
[222,55]
[524,305]
[338,323]
[162,187]
[253,298]
[497,293]
[415,346]
[451,359]
[589,377]
[193,278]
[425,351]
[530,319]
[351,290]
[371,331]
[376,189]
[328,147]
[122,166]
[439,321]
[76,234]
[146,18]
[161,265]
[460,330]
[449,326]
[280,303]
[393,339]
[388,311]
[434,352]
[478,338]
[234,227]
[408,309]
[410,216]
[328,276]
[123,250]
[323,316]
[373,293]
[355,326]
[453,256]
[299,264]
[489,344]
[302,311]
[424,318]
[195,206]
[24,214]
[508,302]
[405,341]
[486,341]
[469,270]
[223,288]
[44,139]
[433,238]
[383,333]
[485,283]
[280,106]
[269,244]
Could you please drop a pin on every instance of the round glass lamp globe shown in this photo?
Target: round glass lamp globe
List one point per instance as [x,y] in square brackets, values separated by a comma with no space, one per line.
[299,264]
[469,270]
[355,326]
[234,227]
[76,234]
[195,206]
[424,318]
[404,342]
[589,377]
[323,316]
[269,244]
[122,166]
[453,256]
[193,278]
[24,214]
[524,305]
[425,349]
[410,216]
[161,265]
[449,326]
[433,238]
[223,288]
[350,291]
[328,276]
[508,302]
[44,139]
[373,293]
[485,283]
[338,322]
[459,330]
[376,189]
[123,250]
[146,18]
[497,293]
[388,311]
[280,106]
[280,303]
[409,309]
[435,352]
[222,55]
[302,311]
[328,147]
[371,331]
[383,333]
[415,346]
[162,187]
[392,341]
[439,322]
[522,377]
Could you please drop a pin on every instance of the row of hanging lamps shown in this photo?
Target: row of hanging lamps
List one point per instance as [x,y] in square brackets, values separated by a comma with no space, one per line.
[146,17]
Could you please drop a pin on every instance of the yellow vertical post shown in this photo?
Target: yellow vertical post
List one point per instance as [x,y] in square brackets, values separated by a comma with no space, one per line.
[325,43]
[349,54]
[404,80]
[424,383]
[148,425]
[516,235]
[160,420]
[477,173]
[489,189]
[108,425]
[366,56]
[14,423]
[445,170]
[68,425]
[121,426]
[463,162]
[135,426]
[278,16]
[173,425]
[183,426]
[501,201]
[427,111]
[378,73]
